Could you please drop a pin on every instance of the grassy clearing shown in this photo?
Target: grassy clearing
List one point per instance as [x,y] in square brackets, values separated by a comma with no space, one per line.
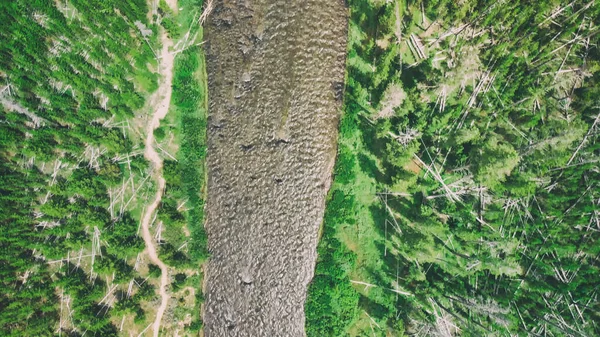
[190,106]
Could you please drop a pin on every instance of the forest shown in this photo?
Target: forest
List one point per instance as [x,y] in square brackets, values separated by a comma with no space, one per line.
[465,198]
[76,82]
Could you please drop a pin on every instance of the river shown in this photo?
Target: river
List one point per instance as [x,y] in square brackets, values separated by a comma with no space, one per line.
[275,77]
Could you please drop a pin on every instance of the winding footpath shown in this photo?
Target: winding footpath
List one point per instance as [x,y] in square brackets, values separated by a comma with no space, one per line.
[161,101]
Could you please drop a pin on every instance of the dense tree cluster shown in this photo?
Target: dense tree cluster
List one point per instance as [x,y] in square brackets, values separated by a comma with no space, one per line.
[74,79]
[466,188]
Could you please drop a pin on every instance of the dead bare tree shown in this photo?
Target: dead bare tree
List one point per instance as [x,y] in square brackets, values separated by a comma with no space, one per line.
[96,249]
[369,285]
[208,8]
[406,137]
[585,138]
[415,45]
[450,194]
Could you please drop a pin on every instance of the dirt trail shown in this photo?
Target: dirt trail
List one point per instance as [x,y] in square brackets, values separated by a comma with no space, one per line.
[160,101]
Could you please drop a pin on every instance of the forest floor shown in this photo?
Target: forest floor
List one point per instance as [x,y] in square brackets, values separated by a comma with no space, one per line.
[160,101]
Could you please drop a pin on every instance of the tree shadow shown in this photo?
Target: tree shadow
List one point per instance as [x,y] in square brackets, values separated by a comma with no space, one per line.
[369,167]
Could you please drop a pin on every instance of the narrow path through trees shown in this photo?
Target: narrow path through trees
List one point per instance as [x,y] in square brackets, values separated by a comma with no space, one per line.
[160,101]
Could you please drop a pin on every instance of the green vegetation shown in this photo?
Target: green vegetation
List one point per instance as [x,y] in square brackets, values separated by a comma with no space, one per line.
[190,101]
[465,194]
[185,180]
[169,20]
[75,77]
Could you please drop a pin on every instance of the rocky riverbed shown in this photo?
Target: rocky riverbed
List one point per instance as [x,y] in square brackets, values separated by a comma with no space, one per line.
[275,72]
